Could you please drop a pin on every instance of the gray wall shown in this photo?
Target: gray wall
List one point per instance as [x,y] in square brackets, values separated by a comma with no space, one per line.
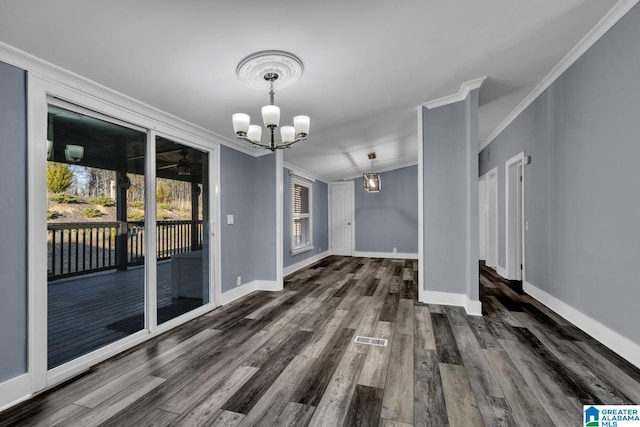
[530,132]
[320,221]
[264,236]
[390,218]
[13,216]
[581,189]
[444,188]
[472,197]
[248,191]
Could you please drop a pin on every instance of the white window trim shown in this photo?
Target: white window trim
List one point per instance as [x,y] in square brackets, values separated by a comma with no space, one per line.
[297,180]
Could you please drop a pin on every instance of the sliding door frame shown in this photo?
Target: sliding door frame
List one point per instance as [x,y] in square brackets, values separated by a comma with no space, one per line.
[41,90]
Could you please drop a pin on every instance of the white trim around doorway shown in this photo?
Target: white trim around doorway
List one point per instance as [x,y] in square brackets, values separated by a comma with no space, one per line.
[488,178]
[422,297]
[353,215]
[280,220]
[40,91]
[514,161]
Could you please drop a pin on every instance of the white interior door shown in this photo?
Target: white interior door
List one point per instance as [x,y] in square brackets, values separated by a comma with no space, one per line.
[515,217]
[341,221]
[519,221]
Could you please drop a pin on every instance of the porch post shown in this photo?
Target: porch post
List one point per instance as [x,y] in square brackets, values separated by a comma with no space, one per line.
[121,217]
[195,193]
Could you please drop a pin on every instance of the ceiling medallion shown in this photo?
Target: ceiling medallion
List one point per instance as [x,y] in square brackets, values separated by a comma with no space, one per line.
[252,69]
[270,69]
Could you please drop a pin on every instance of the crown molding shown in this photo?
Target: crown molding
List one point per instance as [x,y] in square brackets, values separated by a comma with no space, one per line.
[602,26]
[465,88]
[63,77]
[305,173]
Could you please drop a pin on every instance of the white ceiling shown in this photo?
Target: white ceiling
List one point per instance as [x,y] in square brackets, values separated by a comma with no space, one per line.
[368,64]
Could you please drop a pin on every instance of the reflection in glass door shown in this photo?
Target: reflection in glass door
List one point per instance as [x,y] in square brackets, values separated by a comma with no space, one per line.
[95,233]
[182,240]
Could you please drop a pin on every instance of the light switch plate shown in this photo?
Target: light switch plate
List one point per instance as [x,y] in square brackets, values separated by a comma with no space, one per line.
[230,219]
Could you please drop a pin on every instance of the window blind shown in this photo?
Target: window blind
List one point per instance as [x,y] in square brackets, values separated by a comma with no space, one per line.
[301,224]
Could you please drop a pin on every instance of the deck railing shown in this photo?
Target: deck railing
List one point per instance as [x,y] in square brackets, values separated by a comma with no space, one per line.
[87,247]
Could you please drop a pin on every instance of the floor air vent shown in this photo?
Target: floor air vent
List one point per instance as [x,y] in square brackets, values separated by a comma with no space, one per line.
[371,341]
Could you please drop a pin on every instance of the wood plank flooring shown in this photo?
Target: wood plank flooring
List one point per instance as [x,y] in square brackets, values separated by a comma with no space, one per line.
[288,358]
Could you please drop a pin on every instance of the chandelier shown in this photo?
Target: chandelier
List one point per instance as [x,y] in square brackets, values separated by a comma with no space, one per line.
[272,68]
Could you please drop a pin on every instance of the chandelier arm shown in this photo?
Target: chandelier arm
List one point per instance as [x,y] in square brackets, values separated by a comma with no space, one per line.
[260,144]
[272,145]
[288,144]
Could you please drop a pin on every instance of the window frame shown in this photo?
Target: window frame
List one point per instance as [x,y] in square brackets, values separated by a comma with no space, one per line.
[293,216]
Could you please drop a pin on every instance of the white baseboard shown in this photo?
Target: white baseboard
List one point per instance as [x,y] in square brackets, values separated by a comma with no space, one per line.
[473,308]
[14,391]
[501,271]
[610,338]
[247,288]
[305,263]
[237,292]
[443,298]
[268,285]
[393,255]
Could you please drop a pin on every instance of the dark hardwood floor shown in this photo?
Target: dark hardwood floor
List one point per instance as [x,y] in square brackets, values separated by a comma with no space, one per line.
[289,358]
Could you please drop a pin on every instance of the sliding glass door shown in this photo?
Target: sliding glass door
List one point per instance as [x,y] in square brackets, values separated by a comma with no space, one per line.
[95,233]
[182,240]
[106,252]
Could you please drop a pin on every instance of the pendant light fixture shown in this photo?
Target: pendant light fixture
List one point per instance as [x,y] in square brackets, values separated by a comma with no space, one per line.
[184,165]
[272,68]
[372,181]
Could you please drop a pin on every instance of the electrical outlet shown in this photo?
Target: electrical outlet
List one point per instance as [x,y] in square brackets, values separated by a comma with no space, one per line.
[238,280]
[319,249]
[395,250]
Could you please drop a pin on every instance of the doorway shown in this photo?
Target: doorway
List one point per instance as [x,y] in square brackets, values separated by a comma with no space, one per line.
[514,218]
[127,235]
[488,187]
[341,200]
[182,212]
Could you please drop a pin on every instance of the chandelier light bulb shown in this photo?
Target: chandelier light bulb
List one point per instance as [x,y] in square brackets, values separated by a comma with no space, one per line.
[241,123]
[372,183]
[288,134]
[301,124]
[255,133]
[271,115]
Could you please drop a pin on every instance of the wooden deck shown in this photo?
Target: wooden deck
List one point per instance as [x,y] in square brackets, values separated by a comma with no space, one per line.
[89,312]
